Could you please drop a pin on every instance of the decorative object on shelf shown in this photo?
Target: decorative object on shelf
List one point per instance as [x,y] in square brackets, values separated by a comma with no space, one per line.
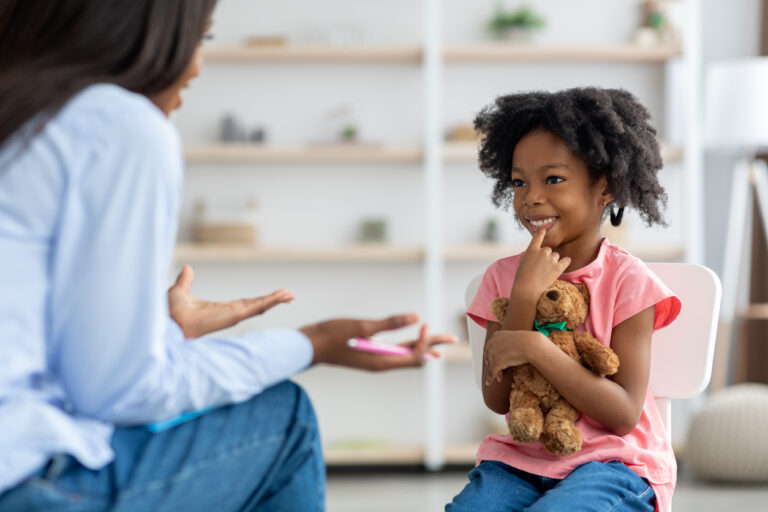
[232,129]
[656,27]
[491,232]
[462,133]
[269,41]
[348,133]
[227,226]
[373,230]
[519,25]
[258,135]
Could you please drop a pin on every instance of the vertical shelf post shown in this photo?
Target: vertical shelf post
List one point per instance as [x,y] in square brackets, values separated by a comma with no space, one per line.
[693,157]
[434,375]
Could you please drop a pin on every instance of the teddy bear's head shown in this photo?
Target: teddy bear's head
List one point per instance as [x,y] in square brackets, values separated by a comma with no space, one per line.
[563,302]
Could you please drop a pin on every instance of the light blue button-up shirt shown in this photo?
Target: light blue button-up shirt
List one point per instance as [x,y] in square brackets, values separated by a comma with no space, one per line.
[88,219]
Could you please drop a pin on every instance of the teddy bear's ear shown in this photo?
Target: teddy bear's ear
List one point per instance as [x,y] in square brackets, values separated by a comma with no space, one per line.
[584,292]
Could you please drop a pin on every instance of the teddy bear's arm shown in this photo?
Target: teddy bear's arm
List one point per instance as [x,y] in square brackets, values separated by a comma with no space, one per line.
[499,308]
[596,356]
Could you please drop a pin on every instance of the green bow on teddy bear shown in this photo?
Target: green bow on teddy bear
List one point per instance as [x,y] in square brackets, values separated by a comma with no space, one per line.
[551,326]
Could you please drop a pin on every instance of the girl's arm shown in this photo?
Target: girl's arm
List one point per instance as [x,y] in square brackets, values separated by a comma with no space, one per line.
[517,323]
[615,403]
[539,267]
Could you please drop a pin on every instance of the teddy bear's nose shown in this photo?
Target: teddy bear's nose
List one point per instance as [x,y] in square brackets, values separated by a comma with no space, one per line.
[553,295]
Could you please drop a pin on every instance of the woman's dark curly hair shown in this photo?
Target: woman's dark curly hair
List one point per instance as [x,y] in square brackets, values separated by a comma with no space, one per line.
[607,128]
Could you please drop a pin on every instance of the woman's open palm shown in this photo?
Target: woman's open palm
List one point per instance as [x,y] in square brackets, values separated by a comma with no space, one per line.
[198,317]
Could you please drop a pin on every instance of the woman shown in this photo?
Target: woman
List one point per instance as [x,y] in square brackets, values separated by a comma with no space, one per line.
[99,382]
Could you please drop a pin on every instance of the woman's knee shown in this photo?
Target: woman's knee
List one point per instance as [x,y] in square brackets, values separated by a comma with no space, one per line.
[290,400]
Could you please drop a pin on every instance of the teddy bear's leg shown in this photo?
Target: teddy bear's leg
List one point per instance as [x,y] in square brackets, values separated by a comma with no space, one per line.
[560,435]
[599,358]
[526,420]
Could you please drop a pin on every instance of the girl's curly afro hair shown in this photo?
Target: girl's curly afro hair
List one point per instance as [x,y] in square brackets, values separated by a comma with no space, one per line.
[607,128]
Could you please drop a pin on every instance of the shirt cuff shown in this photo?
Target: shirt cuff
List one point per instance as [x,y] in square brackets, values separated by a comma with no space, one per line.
[289,351]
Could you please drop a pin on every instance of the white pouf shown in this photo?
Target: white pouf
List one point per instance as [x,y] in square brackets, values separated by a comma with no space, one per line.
[728,439]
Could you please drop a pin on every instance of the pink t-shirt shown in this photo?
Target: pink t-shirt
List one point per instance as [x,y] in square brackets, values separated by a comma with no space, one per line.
[620,286]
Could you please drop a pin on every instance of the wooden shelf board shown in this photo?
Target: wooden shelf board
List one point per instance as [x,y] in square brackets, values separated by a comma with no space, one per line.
[197,253]
[414,54]
[458,353]
[481,252]
[312,154]
[534,52]
[460,453]
[200,253]
[385,455]
[317,54]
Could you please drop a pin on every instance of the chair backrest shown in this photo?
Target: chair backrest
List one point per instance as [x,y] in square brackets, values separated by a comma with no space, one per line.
[681,354]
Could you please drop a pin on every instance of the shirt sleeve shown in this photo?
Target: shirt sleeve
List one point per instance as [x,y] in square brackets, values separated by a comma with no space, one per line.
[638,289]
[480,308]
[120,357]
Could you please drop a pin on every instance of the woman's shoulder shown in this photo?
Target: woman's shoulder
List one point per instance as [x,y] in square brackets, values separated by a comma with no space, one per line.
[109,112]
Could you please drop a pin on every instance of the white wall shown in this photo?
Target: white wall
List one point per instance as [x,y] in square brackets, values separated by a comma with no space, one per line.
[321,205]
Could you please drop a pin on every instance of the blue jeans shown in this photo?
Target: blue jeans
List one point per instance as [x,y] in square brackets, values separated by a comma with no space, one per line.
[263,454]
[594,486]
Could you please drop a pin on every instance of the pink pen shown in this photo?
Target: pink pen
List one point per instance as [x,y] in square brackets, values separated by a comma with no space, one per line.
[382,348]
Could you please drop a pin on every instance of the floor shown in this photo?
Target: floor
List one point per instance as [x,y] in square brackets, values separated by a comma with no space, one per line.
[416,491]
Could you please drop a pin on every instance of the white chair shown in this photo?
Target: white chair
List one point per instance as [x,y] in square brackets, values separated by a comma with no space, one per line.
[681,354]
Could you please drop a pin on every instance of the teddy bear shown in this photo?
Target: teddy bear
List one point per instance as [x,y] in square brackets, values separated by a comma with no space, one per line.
[537,411]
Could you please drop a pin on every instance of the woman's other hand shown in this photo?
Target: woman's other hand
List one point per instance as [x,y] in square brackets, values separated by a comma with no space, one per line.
[198,317]
[329,340]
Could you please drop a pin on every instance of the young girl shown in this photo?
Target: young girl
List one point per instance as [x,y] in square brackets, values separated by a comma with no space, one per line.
[565,161]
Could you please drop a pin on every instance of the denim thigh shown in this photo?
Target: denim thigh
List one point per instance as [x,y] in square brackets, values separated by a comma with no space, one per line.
[598,487]
[496,487]
[238,457]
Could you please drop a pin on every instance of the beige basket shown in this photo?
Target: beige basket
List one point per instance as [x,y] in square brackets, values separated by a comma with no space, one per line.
[227,227]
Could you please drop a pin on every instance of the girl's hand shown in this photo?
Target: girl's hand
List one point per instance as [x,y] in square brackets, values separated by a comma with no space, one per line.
[197,317]
[539,267]
[329,340]
[505,349]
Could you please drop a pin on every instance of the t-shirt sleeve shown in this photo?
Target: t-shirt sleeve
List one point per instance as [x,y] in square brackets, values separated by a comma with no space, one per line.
[480,308]
[638,289]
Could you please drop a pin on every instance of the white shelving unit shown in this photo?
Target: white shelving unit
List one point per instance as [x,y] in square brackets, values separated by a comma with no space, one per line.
[438,261]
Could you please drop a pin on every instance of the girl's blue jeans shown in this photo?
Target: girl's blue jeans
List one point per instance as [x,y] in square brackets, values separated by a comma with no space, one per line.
[263,454]
[591,487]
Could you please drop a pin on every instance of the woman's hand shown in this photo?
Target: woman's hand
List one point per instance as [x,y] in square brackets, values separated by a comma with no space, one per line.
[505,349]
[329,340]
[197,317]
[539,267]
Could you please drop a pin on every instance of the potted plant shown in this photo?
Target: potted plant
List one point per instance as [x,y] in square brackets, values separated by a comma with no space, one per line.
[517,25]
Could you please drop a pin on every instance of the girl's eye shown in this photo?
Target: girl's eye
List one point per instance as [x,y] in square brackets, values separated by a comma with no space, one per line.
[552,180]
[517,183]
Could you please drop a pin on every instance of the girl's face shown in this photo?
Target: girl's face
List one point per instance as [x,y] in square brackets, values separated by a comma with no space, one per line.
[553,190]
